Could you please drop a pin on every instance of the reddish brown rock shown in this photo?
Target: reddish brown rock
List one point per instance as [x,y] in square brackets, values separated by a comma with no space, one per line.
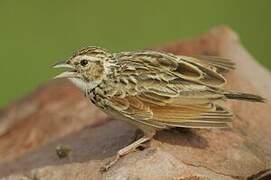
[56,114]
[52,111]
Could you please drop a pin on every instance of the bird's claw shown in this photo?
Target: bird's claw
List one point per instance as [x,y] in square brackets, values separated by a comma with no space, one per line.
[109,164]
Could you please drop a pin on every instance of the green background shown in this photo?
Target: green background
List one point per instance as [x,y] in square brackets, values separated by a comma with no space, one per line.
[34,34]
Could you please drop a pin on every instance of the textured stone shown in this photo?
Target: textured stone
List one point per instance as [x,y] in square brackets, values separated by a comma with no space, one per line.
[52,111]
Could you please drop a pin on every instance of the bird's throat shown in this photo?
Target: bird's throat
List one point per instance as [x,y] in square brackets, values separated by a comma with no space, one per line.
[84,86]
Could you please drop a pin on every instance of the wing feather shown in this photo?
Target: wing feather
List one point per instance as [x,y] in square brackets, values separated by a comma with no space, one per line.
[156,114]
[205,70]
[163,90]
[219,64]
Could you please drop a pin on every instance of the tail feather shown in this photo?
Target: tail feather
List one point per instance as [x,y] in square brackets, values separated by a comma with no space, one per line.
[244,96]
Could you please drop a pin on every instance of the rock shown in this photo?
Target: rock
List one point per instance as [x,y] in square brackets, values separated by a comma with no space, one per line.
[58,114]
[51,112]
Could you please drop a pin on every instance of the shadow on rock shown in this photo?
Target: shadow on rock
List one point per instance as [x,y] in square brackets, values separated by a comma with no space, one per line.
[183,137]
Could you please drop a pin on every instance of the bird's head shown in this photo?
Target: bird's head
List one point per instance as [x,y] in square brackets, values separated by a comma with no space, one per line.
[86,68]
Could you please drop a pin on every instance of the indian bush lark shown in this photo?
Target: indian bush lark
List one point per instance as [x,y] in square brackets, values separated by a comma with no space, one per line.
[154,90]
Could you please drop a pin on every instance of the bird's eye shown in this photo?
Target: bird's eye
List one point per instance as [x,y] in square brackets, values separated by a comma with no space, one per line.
[84,62]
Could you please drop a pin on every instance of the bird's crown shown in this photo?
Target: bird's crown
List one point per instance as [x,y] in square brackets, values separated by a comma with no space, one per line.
[90,51]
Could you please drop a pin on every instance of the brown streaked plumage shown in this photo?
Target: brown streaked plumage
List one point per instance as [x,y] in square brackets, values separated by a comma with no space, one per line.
[155,90]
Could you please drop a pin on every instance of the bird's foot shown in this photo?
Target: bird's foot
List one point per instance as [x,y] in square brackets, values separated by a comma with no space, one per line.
[124,151]
[109,164]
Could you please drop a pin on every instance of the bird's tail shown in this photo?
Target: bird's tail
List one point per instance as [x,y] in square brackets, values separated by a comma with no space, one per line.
[244,96]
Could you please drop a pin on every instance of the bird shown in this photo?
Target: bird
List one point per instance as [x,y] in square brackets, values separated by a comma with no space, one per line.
[154,90]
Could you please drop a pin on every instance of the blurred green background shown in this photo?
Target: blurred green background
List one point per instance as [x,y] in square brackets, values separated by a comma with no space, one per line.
[34,34]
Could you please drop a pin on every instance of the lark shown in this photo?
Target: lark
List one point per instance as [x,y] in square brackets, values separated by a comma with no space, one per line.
[154,90]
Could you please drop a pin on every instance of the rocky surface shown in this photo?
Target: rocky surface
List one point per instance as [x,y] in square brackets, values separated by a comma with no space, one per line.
[58,114]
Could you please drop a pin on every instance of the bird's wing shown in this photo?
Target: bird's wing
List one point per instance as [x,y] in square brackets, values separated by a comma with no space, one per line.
[218,64]
[202,70]
[169,91]
[145,110]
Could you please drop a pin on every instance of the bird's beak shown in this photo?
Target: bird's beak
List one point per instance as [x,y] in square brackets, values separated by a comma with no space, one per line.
[70,73]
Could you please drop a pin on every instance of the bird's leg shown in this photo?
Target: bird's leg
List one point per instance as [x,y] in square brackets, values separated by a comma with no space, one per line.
[127,150]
